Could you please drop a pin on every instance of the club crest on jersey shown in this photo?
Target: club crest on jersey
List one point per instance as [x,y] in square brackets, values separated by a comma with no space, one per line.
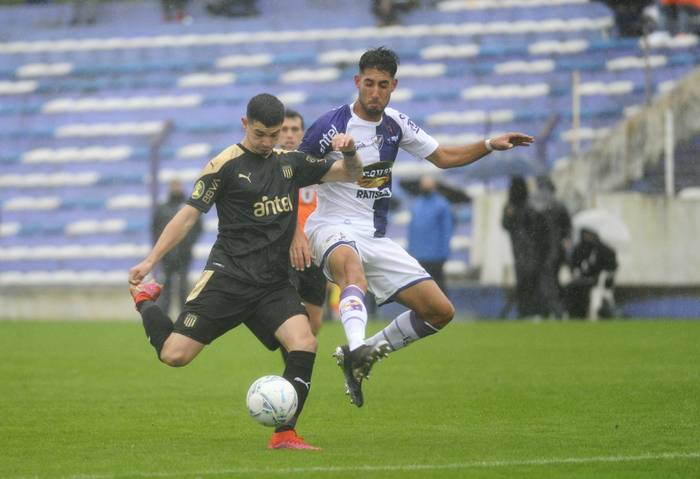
[375,142]
[287,171]
[190,320]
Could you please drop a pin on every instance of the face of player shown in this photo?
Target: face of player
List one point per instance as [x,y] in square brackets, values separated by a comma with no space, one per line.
[259,138]
[292,133]
[374,92]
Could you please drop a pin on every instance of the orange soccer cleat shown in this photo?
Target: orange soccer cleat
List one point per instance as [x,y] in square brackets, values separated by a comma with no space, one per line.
[289,440]
[145,292]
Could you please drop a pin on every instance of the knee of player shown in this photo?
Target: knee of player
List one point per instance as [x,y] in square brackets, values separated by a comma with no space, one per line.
[443,315]
[305,342]
[175,358]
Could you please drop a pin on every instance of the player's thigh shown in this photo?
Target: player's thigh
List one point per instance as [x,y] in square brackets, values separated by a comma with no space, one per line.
[216,304]
[311,285]
[315,317]
[272,311]
[389,268]
[326,241]
[295,334]
[428,301]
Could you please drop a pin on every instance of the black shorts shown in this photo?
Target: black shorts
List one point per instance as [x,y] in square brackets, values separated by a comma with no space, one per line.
[219,303]
[311,284]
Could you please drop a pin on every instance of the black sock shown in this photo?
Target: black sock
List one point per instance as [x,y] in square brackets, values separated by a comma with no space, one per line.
[298,369]
[156,323]
[284,354]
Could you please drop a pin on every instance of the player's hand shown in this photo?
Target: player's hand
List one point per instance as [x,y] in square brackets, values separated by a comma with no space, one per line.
[511,140]
[299,251]
[138,272]
[343,142]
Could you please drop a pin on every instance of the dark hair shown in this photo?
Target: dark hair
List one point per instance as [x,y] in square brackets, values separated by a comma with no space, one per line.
[289,113]
[380,58]
[265,108]
[517,192]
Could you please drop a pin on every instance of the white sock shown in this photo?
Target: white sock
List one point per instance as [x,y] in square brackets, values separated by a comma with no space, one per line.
[403,330]
[353,315]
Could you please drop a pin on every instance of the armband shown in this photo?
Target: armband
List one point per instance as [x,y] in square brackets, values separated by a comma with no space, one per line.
[487,145]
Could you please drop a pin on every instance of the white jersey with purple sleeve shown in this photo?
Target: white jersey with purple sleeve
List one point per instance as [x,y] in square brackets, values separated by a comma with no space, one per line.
[364,204]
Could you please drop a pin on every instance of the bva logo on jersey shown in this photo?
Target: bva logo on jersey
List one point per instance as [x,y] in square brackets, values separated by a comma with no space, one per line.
[272,206]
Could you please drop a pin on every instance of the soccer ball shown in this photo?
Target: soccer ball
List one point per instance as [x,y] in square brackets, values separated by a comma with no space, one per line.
[271,400]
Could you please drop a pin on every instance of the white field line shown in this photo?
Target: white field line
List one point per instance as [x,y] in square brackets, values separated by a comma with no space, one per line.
[398,467]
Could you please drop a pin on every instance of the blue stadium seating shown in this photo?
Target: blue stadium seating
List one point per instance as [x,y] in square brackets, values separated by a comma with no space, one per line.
[524,56]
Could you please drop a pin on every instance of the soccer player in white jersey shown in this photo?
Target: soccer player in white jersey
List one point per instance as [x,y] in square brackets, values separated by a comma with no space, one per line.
[347,231]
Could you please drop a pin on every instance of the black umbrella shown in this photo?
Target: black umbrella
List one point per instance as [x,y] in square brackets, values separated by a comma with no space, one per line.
[452,193]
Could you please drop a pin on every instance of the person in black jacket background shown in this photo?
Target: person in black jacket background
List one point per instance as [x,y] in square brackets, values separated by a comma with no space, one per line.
[528,235]
[590,258]
[175,264]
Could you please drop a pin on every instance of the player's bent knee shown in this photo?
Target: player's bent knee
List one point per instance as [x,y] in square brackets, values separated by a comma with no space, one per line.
[443,315]
[175,358]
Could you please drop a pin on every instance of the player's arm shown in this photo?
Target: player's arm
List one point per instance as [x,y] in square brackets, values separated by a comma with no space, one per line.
[174,232]
[453,156]
[350,167]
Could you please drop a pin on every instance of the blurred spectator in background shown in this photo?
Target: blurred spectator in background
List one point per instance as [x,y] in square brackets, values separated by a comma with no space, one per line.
[593,266]
[430,230]
[233,8]
[677,17]
[174,10]
[629,20]
[558,239]
[527,230]
[387,11]
[175,264]
[84,12]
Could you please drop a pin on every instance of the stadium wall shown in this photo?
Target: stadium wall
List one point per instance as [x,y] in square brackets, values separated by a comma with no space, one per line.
[662,251]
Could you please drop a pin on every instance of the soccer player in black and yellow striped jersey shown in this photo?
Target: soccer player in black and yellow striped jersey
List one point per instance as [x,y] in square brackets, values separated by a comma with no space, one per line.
[246,279]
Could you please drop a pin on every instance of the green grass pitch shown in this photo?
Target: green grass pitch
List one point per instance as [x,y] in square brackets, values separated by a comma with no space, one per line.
[481,399]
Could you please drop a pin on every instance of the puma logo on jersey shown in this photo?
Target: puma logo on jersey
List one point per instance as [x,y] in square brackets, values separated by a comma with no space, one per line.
[247,177]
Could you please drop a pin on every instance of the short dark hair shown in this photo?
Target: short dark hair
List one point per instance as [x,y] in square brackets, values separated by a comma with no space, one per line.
[265,108]
[289,113]
[383,59]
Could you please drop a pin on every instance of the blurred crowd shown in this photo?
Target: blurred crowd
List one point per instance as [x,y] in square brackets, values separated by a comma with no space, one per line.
[543,244]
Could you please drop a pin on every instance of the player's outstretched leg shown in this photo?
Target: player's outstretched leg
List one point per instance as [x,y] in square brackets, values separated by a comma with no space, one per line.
[403,330]
[430,311]
[156,323]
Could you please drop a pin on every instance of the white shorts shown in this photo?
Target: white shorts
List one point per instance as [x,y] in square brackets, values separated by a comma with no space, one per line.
[388,267]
